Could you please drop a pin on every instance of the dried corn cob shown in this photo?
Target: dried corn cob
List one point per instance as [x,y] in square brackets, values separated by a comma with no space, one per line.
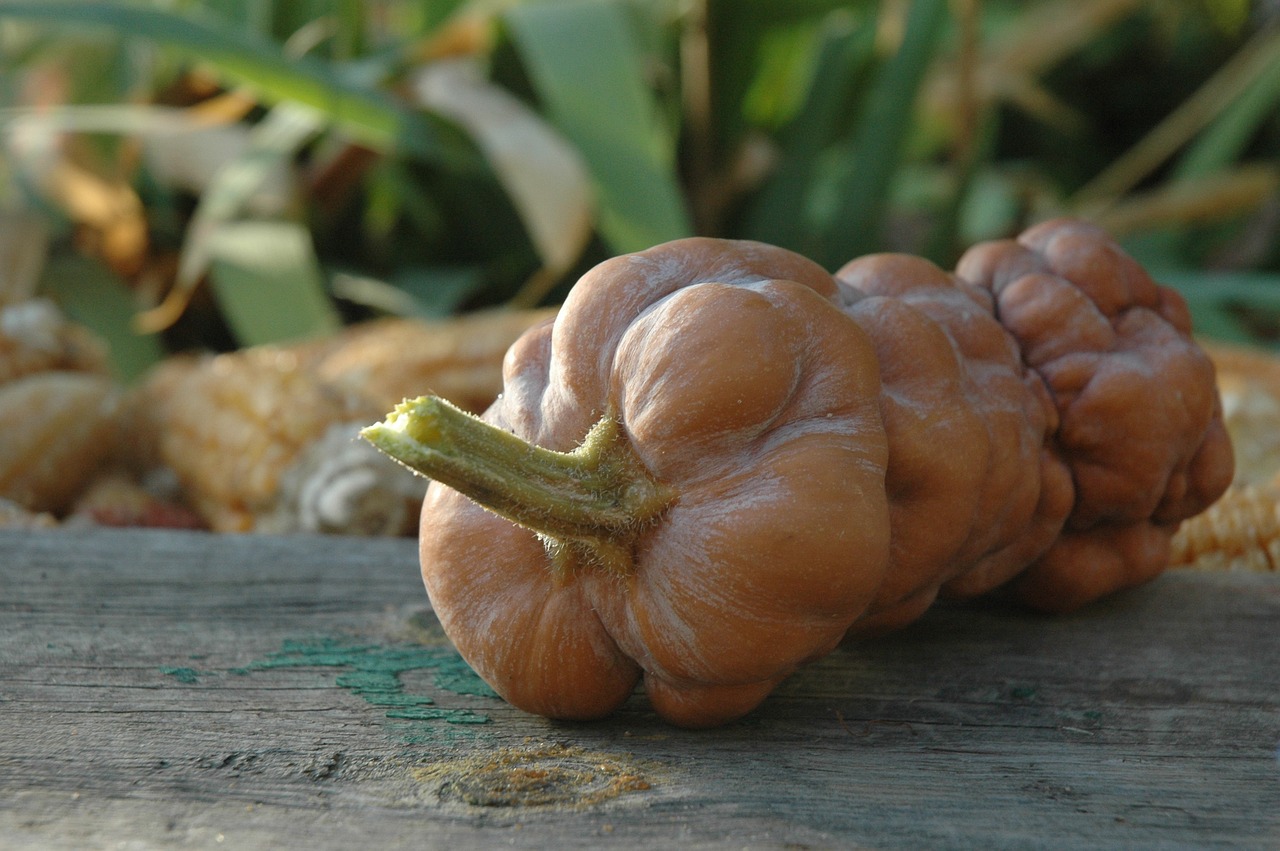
[260,444]
[1241,531]
[117,498]
[1249,382]
[58,428]
[15,516]
[389,360]
[36,337]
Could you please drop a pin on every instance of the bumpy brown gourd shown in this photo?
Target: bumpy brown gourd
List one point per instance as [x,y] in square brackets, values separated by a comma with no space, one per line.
[720,460]
[1141,421]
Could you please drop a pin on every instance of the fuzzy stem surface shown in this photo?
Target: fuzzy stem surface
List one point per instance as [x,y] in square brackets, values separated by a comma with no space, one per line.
[598,496]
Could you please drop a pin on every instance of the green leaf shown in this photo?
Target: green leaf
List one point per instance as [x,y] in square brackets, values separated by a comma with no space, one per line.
[268,282]
[438,291]
[542,174]
[1219,300]
[349,27]
[875,147]
[784,74]
[90,294]
[368,114]
[1256,289]
[958,211]
[433,292]
[754,47]
[1216,322]
[272,145]
[778,214]
[589,73]
[1221,145]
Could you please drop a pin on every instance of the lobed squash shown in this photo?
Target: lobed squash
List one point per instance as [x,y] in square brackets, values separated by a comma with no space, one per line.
[720,460]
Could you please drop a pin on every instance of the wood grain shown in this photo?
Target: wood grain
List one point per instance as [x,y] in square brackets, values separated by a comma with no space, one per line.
[163,689]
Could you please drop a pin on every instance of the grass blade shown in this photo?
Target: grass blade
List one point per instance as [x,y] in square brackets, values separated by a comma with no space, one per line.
[1221,143]
[1220,301]
[540,171]
[273,143]
[90,294]
[876,145]
[268,282]
[366,113]
[587,68]
[1197,112]
[778,213]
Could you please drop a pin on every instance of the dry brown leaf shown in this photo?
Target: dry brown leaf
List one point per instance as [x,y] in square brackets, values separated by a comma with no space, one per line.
[108,210]
[1214,197]
[544,175]
[191,160]
[1009,68]
[467,33]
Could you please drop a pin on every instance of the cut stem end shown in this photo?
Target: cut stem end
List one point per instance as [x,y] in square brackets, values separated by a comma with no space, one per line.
[597,498]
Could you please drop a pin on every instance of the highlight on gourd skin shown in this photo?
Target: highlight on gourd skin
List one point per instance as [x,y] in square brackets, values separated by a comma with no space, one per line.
[723,599]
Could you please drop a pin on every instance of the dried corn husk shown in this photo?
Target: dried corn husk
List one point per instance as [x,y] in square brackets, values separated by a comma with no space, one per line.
[58,427]
[264,439]
[390,360]
[259,443]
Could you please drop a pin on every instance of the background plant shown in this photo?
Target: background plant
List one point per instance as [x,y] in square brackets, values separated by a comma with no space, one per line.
[222,173]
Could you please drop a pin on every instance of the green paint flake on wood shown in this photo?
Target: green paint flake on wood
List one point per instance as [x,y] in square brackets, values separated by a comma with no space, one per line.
[452,716]
[188,676]
[374,673]
[456,676]
[1023,692]
[372,684]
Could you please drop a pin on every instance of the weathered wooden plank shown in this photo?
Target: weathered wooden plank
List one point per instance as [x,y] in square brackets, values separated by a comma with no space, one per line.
[185,689]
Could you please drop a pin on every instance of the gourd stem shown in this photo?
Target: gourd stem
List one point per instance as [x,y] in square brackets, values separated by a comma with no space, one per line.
[599,495]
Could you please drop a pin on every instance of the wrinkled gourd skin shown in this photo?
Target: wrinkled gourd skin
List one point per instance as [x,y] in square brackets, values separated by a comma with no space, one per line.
[743,387]
[1141,426]
[839,449]
[974,494]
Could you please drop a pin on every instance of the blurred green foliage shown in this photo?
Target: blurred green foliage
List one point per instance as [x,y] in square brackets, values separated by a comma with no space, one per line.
[356,173]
